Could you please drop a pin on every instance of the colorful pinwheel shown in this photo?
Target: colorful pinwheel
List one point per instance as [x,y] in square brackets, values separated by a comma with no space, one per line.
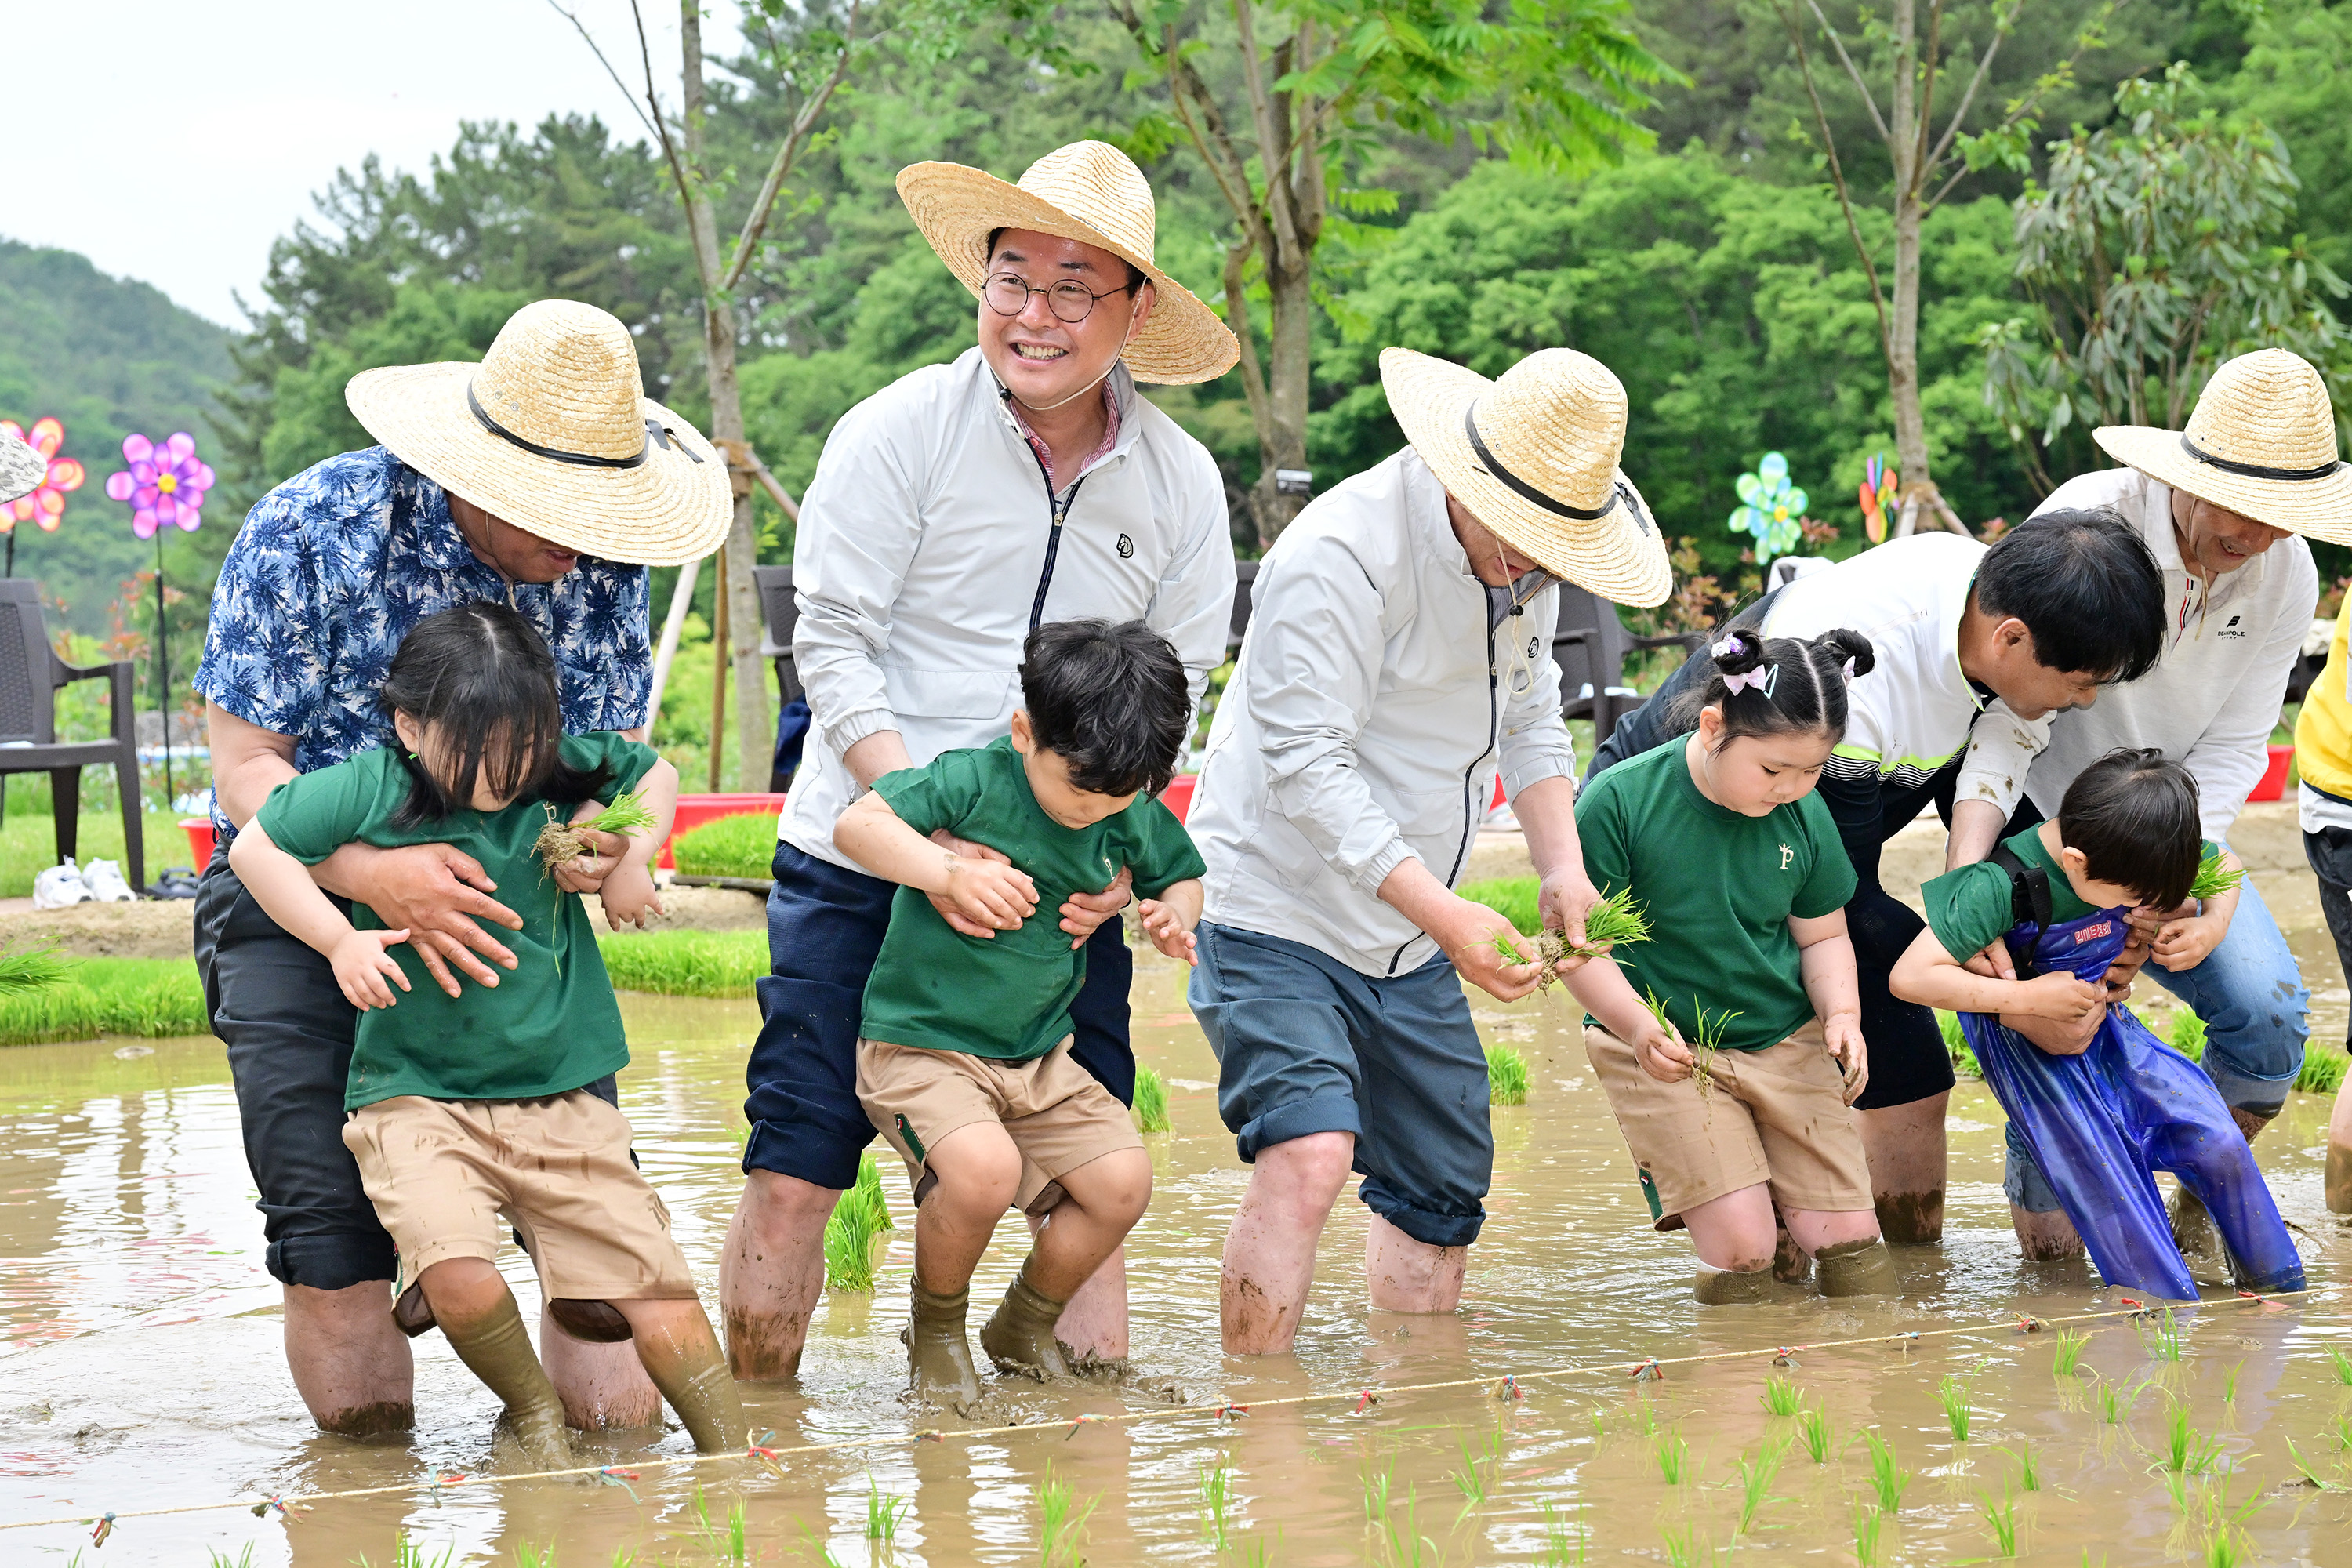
[1774,510]
[163,484]
[47,504]
[1879,485]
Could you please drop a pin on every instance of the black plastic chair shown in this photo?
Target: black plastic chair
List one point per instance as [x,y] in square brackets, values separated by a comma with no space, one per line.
[780,611]
[30,675]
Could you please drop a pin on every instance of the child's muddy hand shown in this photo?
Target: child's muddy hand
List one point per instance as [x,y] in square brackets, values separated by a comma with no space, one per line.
[362,964]
[1663,1055]
[630,898]
[2063,998]
[1843,1034]
[991,893]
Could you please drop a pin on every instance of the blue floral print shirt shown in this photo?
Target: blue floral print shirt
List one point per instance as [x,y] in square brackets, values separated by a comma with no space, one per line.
[334,566]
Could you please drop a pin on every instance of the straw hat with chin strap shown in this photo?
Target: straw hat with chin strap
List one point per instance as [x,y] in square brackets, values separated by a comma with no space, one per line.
[1533,454]
[1092,193]
[2261,442]
[22,469]
[552,433]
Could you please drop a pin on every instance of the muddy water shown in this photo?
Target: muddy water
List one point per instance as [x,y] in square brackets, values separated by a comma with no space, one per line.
[139,1366]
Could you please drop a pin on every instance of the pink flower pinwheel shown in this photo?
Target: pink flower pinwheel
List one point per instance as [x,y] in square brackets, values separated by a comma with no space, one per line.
[47,504]
[163,484]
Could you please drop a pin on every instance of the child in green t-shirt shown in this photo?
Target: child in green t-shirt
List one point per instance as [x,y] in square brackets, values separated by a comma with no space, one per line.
[467,1109]
[964,1060]
[1729,1043]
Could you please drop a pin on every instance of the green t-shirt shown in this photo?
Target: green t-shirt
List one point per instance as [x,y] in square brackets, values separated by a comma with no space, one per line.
[1719,889]
[1008,996]
[550,1025]
[1968,909]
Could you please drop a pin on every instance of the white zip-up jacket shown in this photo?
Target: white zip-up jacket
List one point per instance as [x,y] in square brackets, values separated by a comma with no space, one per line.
[929,544]
[2210,701]
[1363,723]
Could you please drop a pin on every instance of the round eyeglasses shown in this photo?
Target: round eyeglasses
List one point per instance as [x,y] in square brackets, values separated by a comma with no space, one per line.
[1007,294]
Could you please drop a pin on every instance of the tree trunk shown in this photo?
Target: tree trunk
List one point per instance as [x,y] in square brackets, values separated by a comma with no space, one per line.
[744,615]
[1282,426]
[1903,314]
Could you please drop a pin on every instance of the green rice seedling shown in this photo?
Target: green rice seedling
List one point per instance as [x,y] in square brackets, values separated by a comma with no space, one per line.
[2222,1551]
[1151,1102]
[1952,1394]
[819,1548]
[24,969]
[2188,1035]
[2162,1337]
[1258,1556]
[1513,898]
[2229,1383]
[1566,1541]
[1756,1477]
[2343,1365]
[1061,1522]
[1645,1418]
[560,843]
[1405,1542]
[740,845]
[2310,1472]
[2342,1431]
[1686,1550]
[1813,1430]
[849,1244]
[1506,1077]
[2001,1518]
[2188,1451]
[2029,1467]
[884,1511]
[2069,1351]
[1781,1395]
[1478,1469]
[1614,921]
[1600,1422]
[681,963]
[2115,1402]
[1868,1523]
[2213,880]
[1673,1454]
[1376,1492]
[1216,1483]
[217,1559]
[1956,1045]
[1887,1476]
[2323,1072]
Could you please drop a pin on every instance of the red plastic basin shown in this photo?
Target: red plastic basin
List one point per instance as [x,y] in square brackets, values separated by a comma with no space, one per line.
[1178,796]
[199,830]
[2274,780]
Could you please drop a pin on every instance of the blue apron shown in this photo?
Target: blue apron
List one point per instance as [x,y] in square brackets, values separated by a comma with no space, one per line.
[2101,1124]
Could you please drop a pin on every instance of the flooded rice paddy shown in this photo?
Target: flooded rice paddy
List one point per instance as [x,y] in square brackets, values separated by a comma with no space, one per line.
[140,1368]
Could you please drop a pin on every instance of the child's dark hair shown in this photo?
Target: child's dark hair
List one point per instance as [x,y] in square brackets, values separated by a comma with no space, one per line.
[1777,686]
[1113,701]
[2087,588]
[2133,818]
[481,675]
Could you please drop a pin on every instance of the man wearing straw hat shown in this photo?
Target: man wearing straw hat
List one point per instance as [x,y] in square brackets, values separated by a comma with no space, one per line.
[952,513]
[1399,649]
[2225,506]
[544,477]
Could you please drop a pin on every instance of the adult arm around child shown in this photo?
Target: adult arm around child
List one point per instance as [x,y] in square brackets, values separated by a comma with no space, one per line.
[283,887]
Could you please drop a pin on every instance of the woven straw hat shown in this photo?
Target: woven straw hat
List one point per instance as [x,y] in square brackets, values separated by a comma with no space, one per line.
[2261,442]
[22,469]
[1534,455]
[1092,193]
[552,432]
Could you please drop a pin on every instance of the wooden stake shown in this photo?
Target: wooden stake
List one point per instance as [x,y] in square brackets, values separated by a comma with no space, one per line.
[719,669]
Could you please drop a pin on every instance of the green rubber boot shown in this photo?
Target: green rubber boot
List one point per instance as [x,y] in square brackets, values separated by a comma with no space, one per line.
[1858,1269]
[498,1351]
[1019,1335]
[1731,1288]
[939,1356]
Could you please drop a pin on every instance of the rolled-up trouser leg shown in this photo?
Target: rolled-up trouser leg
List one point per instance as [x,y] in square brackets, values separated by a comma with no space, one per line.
[2250,993]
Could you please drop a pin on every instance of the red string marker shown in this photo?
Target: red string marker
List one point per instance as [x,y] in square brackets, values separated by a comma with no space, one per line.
[1650,1371]
[1365,1400]
[104,1529]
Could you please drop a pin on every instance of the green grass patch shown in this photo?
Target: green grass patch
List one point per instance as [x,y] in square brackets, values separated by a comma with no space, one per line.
[1506,1077]
[147,997]
[686,963]
[28,844]
[732,846]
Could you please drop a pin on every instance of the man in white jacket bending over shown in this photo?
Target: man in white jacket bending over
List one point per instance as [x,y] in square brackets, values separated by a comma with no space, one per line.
[2221,505]
[952,513]
[1401,643]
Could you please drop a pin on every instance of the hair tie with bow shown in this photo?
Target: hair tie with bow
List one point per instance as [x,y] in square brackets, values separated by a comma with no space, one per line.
[1847,670]
[1763,679]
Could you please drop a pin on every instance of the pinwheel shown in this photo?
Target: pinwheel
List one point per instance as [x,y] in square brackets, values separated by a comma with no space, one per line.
[163,484]
[1773,509]
[46,506]
[1879,485]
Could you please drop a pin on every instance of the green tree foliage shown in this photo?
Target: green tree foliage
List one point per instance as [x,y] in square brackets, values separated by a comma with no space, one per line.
[109,357]
[2154,252]
[1735,312]
[2297,80]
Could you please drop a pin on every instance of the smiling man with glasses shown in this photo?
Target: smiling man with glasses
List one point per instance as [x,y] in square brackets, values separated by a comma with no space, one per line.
[952,513]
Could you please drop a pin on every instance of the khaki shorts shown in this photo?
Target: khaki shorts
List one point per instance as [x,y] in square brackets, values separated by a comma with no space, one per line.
[444,1173]
[1777,1117]
[1057,1115]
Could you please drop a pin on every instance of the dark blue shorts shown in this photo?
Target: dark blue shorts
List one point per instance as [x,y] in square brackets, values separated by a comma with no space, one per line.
[825,929]
[1307,1045]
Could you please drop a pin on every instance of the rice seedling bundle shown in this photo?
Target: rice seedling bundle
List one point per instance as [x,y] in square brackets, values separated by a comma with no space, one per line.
[2188,1035]
[1506,1077]
[2069,1351]
[686,963]
[561,843]
[1956,1045]
[1151,1102]
[740,845]
[1613,921]
[2212,881]
[1781,1396]
[860,1216]
[148,998]
[2323,1072]
[1952,1394]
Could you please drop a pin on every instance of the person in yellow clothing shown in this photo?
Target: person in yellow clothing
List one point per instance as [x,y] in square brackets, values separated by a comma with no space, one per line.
[2323,755]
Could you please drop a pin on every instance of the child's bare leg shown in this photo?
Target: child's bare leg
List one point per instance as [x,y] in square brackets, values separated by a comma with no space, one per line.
[1102,1200]
[1734,1236]
[477,1314]
[1094,1325]
[681,1355]
[1269,1258]
[979,1171]
[2339,1151]
[1846,1243]
[2045,1237]
[601,1385]
[1407,1275]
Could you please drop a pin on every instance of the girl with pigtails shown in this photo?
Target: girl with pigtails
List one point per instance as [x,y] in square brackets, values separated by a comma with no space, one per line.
[1731,1042]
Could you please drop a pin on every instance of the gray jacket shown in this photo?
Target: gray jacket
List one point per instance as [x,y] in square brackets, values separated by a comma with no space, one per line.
[928,547]
[1364,723]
